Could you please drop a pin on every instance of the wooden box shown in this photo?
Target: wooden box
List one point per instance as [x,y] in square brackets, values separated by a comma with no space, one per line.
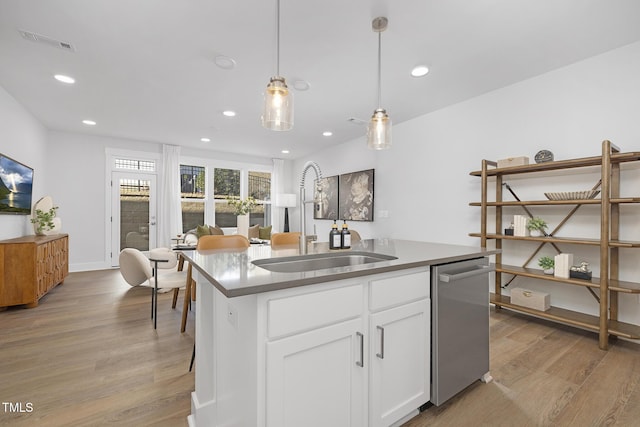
[513,161]
[531,299]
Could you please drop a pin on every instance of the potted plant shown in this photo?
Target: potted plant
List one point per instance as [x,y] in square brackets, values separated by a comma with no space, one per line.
[536,226]
[242,209]
[547,264]
[43,221]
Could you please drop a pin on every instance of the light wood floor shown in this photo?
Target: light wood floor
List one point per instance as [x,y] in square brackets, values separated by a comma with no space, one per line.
[88,356]
[546,375]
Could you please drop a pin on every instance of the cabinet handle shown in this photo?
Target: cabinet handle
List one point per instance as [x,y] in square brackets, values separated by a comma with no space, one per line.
[361,361]
[381,354]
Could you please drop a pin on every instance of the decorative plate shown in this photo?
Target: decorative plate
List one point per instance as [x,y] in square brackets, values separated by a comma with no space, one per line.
[573,195]
[543,156]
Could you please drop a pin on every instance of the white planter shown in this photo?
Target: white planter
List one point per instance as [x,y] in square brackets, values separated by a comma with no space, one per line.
[243,225]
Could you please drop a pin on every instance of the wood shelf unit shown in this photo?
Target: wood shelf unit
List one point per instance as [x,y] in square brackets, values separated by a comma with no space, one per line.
[30,267]
[605,289]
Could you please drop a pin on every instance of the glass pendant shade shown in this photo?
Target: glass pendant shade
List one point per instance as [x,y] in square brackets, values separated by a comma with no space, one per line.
[379,131]
[278,105]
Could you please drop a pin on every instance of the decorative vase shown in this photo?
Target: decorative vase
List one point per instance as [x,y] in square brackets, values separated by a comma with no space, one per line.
[243,225]
[535,233]
[548,271]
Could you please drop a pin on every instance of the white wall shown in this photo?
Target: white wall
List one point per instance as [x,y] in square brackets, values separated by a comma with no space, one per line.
[423,181]
[77,185]
[23,139]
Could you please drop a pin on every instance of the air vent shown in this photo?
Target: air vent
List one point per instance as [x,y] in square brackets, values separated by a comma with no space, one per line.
[39,38]
[356,121]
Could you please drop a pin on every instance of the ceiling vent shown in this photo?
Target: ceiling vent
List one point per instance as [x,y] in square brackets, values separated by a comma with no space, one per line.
[39,38]
[357,121]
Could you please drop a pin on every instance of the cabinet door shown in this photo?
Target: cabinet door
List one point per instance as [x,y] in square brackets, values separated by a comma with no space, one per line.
[314,378]
[400,362]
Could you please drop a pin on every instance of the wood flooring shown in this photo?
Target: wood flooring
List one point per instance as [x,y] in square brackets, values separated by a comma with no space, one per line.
[88,356]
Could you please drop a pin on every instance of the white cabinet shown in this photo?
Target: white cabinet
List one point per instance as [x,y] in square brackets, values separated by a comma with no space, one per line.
[369,371]
[400,363]
[306,356]
[313,378]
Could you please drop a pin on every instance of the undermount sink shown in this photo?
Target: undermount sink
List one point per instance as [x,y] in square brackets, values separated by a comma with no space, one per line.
[298,264]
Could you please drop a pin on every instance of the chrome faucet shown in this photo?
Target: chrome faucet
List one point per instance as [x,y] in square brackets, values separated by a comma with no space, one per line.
[304,239]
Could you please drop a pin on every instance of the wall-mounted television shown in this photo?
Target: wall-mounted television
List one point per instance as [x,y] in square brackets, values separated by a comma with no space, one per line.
[16,187]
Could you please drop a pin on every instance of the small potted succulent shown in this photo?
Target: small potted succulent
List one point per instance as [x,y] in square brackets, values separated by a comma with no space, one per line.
[547,264]
[536,226]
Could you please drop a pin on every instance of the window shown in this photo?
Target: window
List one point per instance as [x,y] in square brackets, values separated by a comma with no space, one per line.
[226,184]
[199,183]
[132,164]
[193,195]
[260,189]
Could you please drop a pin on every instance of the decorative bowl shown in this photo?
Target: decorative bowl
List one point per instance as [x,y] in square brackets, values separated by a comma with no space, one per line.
[573,195]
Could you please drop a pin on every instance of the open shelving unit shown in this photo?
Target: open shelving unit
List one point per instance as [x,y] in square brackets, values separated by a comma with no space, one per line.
[606,288]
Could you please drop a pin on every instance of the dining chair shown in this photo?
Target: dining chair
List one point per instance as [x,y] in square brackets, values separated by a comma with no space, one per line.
[355,236]
[207,242]
[288,238]
[136,270]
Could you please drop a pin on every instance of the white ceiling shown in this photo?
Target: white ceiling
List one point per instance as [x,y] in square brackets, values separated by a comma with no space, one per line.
[145,69]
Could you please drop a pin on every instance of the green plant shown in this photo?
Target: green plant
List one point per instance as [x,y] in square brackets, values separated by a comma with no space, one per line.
[242,207]
[44,220]
[536,224]
[546,262]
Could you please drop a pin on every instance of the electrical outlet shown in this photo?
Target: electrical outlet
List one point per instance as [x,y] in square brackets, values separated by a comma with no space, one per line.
[232,315]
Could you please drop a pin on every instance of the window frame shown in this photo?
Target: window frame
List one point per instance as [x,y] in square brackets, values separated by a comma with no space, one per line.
[210,165]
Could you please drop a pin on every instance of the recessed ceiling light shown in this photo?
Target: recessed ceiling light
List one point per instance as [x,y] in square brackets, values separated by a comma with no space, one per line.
[229,113]
[64,79]
[225,62]
[327,133]
[420,71]
[89,122]
[301,85]
[285,151]
[205,139]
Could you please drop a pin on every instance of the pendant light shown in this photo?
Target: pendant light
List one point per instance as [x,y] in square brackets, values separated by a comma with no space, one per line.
[379,128]
[277,113]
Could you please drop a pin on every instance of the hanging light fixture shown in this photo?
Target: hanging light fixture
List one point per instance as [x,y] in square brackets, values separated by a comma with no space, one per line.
[277,113]
[379,128]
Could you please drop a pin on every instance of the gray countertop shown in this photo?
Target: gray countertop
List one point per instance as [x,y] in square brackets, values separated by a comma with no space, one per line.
[232,272]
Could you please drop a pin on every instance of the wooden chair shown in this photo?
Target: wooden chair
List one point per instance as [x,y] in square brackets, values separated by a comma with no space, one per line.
[232,241]
[279,239]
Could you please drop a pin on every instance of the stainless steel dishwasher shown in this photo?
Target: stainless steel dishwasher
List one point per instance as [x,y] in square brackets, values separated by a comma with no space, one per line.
[460,327]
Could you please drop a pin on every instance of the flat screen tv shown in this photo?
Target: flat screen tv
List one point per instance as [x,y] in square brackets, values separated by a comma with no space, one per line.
[16,184]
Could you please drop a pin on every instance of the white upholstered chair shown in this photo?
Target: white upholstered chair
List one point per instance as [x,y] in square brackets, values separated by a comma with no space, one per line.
[136,270]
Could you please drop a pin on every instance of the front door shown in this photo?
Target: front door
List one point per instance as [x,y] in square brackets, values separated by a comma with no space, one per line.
[133,212]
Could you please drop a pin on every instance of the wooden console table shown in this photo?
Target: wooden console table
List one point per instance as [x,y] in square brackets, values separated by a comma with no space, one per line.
[31,266]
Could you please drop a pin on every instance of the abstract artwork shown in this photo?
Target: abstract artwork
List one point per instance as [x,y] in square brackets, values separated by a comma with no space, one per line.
[356,196]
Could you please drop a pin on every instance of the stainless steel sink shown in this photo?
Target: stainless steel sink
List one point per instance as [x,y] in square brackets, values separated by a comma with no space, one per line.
[298,264]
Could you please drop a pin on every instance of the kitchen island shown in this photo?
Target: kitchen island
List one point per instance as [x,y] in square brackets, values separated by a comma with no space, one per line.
[341,346]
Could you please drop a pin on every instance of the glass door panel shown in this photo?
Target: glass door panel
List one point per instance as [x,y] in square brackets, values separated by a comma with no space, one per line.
[133,213]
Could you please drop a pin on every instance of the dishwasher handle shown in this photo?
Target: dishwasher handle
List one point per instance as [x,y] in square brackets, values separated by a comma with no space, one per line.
[478,270]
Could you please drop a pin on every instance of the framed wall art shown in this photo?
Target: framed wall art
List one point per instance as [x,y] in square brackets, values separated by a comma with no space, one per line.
[356,196]
[326,198]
